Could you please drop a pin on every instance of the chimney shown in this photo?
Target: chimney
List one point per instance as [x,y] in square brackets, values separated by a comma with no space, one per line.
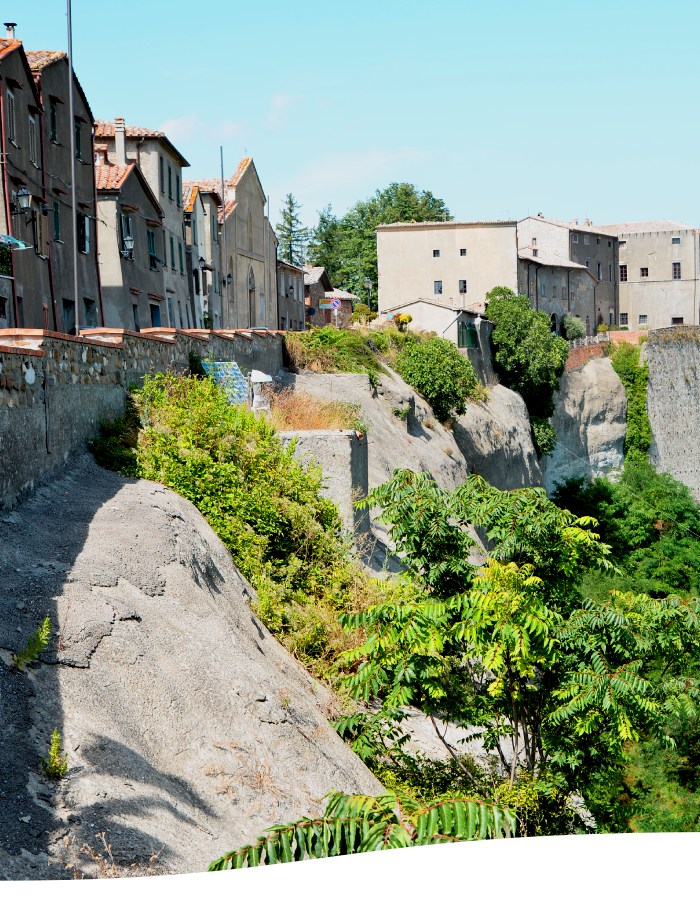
[120,142]
[10,33]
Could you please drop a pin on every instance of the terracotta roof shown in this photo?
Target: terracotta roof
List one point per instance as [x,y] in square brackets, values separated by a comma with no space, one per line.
[238,174]
[205,186]
[40,59]
[574,225]
[337,294]
[135,132]
[312,274]
[230,206]
[474,309]
[189,195]
[549,259]
[7,46]
[644,227]
[111,178]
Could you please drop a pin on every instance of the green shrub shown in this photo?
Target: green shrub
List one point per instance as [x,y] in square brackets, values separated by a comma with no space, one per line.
[573,326]
[544,436]
[36,644]
[332,349]
[438,371]
[363,314]
[55,765]
[265,506]
[625,361]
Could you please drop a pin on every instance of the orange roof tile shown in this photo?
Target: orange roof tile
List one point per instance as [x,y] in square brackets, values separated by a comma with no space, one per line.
[134,132]
[40,59]
[7,46]
[189,194]
[111,178]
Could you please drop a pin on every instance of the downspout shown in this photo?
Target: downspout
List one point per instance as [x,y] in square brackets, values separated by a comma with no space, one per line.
[46,195]
[8,214]
[97,253]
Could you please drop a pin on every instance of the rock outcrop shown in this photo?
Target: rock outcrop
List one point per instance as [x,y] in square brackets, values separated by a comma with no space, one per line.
[589,419]
[188,728]
[495,439]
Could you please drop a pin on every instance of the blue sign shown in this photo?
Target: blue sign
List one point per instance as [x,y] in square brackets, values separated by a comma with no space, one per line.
[230,377]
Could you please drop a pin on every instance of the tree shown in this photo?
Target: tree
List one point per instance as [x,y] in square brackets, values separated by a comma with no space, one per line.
[557,683]
[363,314]
[573,327]
[292,235]
[355,823]
[347,247]
[438,371]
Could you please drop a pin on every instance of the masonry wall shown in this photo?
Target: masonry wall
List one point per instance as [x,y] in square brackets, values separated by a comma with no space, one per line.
[55,390]
[673,402]
[342,456]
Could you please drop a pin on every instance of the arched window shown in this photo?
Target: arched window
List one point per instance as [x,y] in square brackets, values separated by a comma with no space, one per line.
[250,231]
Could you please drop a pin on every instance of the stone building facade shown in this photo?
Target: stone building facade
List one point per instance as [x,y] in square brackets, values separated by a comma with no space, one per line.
[658,273]
[131,235]
[161,165]
[290,297]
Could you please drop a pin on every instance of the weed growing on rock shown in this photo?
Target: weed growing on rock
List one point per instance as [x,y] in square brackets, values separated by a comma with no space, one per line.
[36,644]
[55,765]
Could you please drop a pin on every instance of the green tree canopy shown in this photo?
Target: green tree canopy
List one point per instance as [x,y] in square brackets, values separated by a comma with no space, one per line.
[347,247]
[293,237]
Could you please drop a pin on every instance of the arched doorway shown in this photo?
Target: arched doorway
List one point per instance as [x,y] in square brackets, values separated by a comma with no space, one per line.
[251,298]
[553,321]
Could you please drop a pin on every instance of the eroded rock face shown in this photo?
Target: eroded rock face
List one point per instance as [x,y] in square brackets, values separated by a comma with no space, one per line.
[188,728]
[590,422]
[495,439]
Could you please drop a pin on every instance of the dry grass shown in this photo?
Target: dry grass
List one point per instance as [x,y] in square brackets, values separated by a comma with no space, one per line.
[294,411]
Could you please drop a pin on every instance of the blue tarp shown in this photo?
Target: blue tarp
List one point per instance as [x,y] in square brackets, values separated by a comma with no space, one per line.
[230,377]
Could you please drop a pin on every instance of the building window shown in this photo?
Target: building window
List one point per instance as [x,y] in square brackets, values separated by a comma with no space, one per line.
[543,291]
[586,239]
[463,251]
[610,245]
[623,273]
[597,240]
[642,319]
[563,293]
[195,239]
[89,312]
[125,228]
[675,240]
[644,272]
[33,142]
[137,323]
[53,121]
[463,285]
[622,243]
[170,182]
[600,271]
[436,253]
[11,123]
[78,140]
[172,252]
[623,318]
[83,233]
[554,290]
[677,320]
[437,287]
[152,257]
[180,258]
[611,317]
[467,335]
[588,263]
[69,317]
[178,190]
[610,277]
[161,174]
[155,315]
[56,220]
[676,271]
[535,252]
[574,239]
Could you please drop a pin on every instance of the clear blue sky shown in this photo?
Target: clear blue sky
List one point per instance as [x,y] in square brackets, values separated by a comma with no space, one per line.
[500,108]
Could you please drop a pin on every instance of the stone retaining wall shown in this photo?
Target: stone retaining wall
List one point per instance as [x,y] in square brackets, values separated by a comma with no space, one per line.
[56,389]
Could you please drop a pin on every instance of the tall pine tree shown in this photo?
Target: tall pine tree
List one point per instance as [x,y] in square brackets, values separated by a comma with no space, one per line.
[292,235]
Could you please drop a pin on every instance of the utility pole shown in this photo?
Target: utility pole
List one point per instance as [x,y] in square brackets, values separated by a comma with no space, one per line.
[223,258]
[73,202]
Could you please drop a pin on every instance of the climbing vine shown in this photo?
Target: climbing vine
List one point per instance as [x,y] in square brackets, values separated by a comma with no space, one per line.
[625,361]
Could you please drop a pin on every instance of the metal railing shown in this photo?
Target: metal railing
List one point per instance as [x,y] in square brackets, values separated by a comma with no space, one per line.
[590,339]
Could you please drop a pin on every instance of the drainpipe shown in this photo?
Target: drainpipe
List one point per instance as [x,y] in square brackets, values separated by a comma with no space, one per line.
[8,214]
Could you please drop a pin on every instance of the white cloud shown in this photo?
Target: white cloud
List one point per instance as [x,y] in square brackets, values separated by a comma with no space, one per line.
[281,106]
[183,129]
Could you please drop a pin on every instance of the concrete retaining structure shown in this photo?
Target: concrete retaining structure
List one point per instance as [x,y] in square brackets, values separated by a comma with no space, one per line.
[342,456]
[56,389]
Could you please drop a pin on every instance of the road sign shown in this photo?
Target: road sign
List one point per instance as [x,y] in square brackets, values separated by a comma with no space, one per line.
[335,303]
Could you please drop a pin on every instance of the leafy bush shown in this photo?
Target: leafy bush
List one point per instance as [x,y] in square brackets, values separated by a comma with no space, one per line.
[402,321]
[36,644]
[362,314]
[354,823]
[438,371]
[544,436]
[266,507]
[332,349]
[574,327]
[625,361]
[528,357]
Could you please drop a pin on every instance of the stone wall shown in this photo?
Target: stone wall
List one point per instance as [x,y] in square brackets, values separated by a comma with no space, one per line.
[56,389]
[342,456]
[673,402]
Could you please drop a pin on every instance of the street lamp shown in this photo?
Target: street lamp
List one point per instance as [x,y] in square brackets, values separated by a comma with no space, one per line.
[128,243]
[202,262]
[229,279]
[24,199]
